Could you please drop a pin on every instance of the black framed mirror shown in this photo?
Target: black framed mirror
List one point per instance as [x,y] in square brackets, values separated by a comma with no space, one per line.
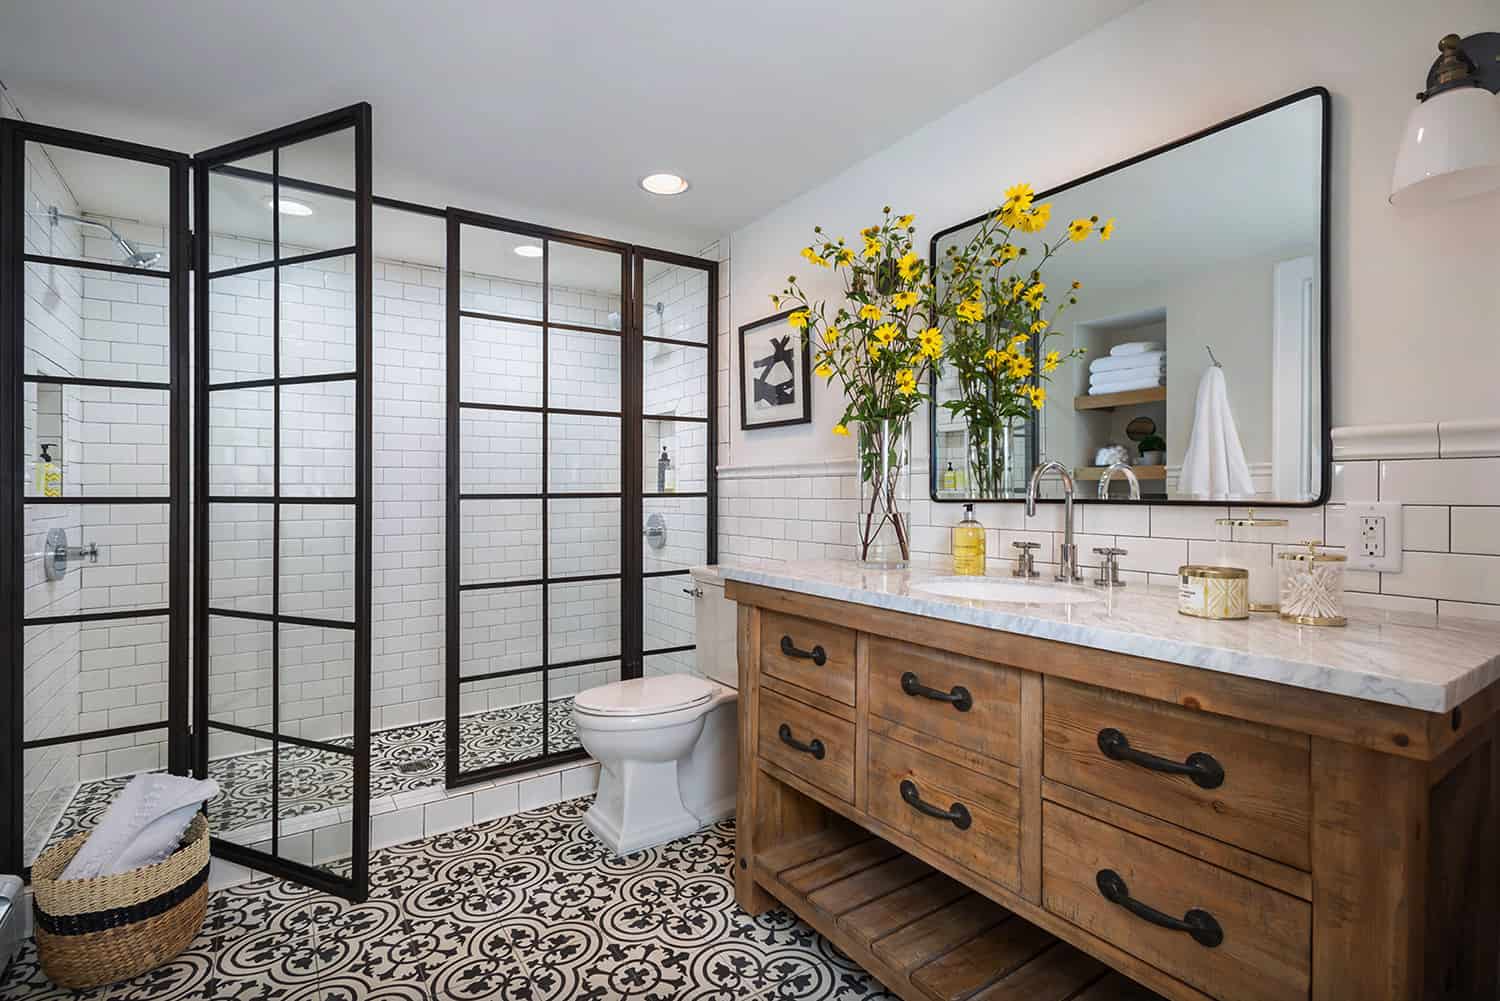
[1202,328]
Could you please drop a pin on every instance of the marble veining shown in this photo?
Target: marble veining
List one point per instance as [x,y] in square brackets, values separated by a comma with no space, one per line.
[1429,667]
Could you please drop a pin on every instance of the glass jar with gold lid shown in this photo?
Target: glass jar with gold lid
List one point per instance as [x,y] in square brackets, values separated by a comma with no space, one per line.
[1312,586]
[1262,586]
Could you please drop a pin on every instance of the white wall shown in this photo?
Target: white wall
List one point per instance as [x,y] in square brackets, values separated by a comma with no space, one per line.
[1405,292]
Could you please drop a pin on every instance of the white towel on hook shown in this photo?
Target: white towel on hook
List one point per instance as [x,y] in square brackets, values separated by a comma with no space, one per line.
[1214,466]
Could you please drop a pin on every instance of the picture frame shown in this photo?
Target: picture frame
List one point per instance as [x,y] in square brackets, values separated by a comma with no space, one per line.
[775,374]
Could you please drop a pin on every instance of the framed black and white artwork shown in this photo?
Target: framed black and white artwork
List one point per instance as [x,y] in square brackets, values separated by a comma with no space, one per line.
[775,375]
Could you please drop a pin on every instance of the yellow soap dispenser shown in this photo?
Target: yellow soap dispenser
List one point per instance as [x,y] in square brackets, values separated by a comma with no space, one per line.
[968,545]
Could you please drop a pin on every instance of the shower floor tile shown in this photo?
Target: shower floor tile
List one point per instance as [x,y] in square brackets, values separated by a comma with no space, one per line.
[531,906]
[312,781]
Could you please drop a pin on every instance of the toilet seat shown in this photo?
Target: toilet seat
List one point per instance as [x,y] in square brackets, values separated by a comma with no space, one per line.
[638,697]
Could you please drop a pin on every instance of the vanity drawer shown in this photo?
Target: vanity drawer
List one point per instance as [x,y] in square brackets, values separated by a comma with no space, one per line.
[808,742]
[968,703]
[812,655]
[1251,788]
[1265,944]
[908,785]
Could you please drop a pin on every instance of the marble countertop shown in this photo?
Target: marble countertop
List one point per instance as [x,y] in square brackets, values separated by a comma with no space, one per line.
[1429,667]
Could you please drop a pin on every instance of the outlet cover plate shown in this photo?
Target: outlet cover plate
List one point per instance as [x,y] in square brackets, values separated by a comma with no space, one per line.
[1373,536]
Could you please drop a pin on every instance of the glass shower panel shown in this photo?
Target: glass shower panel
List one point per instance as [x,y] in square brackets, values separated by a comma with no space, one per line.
[675,302]
[317,439]
[676,533]
[502,540]
[241,327]
[240,557]
[583,536]
[583,286]
[501,630]
[69,786]
[583,371]
[129,229]
[317,317]
[500,452]
[316,565]
[316,194]
[500,363]
[501,273]
[583,621]
[684,444]
[90,324]
[500,722]
[583,454]
[241,443]
[669,612]
[241,203]
[95,558]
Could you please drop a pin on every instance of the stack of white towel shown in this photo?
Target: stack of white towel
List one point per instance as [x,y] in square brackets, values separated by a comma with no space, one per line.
[1137,365]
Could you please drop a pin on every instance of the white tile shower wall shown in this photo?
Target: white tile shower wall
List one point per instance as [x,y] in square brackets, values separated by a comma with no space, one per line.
[1451,512]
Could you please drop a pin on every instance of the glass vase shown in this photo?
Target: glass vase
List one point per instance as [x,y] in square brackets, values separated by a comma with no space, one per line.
[883,525]
[989,458]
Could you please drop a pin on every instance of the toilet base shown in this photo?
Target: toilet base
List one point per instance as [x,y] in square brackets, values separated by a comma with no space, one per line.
[649,789]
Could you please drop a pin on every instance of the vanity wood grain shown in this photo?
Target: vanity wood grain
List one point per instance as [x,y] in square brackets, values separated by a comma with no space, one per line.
[1348,852]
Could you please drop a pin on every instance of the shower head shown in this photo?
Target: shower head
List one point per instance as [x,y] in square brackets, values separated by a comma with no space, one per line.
[134,256]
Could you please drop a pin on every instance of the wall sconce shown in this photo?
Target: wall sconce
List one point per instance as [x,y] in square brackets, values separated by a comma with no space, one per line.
[1451,148]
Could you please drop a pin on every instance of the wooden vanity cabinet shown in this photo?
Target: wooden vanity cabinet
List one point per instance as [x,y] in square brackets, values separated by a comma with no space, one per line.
[980,815]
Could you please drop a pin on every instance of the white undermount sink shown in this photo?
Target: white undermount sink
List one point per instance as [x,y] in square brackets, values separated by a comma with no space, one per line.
[1030,592]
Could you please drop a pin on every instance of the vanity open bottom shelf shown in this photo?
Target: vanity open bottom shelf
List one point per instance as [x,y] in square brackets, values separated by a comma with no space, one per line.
[923,934]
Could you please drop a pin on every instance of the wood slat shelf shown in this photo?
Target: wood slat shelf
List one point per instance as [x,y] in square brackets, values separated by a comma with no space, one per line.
[1130,398]
[923,934]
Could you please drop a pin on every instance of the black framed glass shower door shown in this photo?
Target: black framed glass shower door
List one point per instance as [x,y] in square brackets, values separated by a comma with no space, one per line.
[282,525]
[93,404]
[536,499]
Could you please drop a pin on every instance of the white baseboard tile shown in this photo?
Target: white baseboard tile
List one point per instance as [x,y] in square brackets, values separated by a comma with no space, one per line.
[1458,439]
[1386,441]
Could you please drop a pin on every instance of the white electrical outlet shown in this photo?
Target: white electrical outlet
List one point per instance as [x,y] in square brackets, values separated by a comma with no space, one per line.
[1373,536]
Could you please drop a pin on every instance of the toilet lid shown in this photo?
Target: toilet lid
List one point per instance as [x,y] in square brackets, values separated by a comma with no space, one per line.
[646,696]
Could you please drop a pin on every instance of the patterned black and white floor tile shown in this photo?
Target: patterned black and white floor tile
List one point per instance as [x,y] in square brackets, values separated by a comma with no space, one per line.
[528,908]
[313,780]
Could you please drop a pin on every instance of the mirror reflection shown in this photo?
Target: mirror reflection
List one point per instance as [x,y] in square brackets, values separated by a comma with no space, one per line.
[1199,325]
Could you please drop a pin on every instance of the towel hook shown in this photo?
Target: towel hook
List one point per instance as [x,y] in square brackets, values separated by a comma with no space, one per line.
[1211,356]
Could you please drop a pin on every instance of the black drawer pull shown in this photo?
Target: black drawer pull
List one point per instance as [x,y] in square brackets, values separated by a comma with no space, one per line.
[816,654]
[1198,923]
[957,813]
[959,698]
[1205,772]
[814,747]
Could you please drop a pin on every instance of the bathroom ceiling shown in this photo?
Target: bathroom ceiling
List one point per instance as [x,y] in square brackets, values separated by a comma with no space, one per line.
[540,111]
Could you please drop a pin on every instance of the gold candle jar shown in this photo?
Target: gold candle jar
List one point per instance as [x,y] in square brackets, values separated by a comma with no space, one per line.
[1312,586]
[1206,592]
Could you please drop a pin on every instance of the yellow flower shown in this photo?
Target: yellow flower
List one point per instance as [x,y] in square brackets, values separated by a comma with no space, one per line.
[1036,220]
[997,359]
[1020,367]
[870,231]
[932,343]
[970,311]
[906,382]
[904,300]
[885,333]
[874,348]
[1038,395]
[844,257]
[831,334]
[904,221]
[1038,326]
[1108,229]
[1050,363]
[1079,229]
[1018,342]
[1036,295]
[824,371]
[869,312]
[872,247]
[798,320]
[841,430]
[1009,252]
[910,265]
[812,255]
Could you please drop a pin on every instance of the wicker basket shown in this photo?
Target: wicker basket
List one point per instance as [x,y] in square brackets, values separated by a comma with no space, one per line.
[91,932]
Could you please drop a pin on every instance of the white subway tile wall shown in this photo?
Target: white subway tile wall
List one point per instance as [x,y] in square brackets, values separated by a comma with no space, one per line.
[1451,520]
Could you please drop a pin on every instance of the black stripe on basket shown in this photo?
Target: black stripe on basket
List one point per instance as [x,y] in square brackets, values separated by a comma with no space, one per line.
[118,917]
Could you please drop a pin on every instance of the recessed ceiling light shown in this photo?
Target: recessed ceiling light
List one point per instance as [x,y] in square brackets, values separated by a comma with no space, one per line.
[529,250]
[289,206]
[664,184]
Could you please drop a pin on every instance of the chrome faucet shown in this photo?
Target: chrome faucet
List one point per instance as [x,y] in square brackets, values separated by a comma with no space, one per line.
[1067,560]
[1130,477]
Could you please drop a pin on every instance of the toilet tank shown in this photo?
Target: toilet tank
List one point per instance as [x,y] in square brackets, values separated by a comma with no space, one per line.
[714,629]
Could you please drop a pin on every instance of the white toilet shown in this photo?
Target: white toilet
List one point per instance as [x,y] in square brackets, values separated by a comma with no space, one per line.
[667,746]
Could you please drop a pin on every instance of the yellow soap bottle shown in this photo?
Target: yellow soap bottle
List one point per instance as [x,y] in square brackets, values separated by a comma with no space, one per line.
[968,545]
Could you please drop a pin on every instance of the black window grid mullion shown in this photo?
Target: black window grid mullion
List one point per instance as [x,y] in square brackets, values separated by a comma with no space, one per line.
[546,483]
[276,504]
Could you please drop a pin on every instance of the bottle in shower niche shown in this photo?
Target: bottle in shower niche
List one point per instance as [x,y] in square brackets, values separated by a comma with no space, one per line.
[666,473]
[968,545]
[48,473]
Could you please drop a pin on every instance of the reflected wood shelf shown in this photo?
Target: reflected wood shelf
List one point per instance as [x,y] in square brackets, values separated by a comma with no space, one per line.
[1130,398]
[1141,472]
